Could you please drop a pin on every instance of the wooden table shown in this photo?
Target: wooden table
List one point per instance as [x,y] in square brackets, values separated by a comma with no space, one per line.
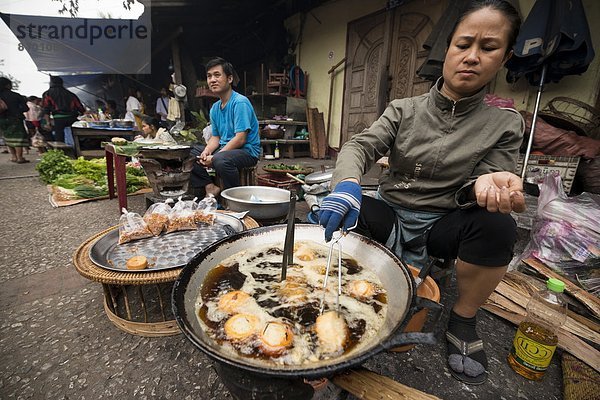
[289,127]
[96,133]
[115,164]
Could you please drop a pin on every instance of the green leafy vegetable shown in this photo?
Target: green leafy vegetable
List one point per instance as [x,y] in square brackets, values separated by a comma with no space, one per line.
[53,164]
[70,181]
[92,169]
[282,166]
[89,191]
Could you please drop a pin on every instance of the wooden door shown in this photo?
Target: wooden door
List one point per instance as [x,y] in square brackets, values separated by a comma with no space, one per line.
[367,53]
[408,35]
[383,52]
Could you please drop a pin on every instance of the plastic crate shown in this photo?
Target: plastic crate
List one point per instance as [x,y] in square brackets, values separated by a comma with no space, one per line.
[539,165]
[277,180]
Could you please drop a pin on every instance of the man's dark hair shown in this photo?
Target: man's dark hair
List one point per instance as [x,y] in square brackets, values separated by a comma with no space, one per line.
[502,6]
[227,67]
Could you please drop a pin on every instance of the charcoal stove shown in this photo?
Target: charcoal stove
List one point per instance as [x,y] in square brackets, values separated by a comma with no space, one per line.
[244,385]
[168,170]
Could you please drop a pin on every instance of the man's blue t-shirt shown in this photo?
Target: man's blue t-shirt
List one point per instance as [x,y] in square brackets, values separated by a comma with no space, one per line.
[237,116]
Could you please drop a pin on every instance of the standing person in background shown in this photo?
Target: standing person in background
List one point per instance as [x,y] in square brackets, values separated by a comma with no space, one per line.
[162,105]
[11,121]
[449,190]
[63,105]
[141,113]
[111,110]
[33,116]
[235,143]
[132,105]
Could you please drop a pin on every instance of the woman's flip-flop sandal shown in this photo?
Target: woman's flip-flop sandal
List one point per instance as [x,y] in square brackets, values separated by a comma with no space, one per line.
[461,366]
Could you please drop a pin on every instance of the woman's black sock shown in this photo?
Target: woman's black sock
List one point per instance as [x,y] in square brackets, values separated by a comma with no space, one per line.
[464,329]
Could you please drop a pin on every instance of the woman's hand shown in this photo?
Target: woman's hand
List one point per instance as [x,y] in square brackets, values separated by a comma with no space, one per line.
[500,192]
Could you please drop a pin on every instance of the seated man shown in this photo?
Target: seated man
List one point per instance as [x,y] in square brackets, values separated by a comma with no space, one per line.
[235,142]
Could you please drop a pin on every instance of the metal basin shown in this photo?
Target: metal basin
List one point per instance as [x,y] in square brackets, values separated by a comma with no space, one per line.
[261,202]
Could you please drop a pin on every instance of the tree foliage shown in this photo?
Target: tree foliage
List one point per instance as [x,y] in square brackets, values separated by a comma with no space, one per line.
[71,7]
[15,81]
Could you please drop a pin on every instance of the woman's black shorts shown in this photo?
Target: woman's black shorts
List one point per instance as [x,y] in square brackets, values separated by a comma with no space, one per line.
[474,235]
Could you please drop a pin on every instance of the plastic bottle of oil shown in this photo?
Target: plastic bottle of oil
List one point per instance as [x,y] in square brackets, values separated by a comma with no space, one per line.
[536,339]
[276,152]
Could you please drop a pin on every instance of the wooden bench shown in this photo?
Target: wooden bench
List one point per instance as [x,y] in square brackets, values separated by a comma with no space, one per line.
[68,150]
[287,147]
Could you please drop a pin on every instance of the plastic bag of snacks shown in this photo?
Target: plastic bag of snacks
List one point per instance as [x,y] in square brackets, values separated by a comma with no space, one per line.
[157,217]
[132,227]
[206,209]
[565,235]
[183,216]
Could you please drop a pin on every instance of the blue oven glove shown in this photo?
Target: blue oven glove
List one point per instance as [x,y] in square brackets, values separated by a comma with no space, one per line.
[340,208]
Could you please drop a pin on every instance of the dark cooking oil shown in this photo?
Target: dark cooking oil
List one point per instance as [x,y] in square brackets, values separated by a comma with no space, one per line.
[224,278]
[536,338]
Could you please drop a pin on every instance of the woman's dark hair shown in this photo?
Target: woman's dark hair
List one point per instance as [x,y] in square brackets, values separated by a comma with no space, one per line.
[152,122]
[502,6]
[227,67]
[56,81]
[5,83]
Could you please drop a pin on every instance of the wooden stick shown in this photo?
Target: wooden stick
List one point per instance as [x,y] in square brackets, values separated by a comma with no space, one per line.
[368,385]
[533,284]
[571,325]
[566,340]
[295,178]
[590,301]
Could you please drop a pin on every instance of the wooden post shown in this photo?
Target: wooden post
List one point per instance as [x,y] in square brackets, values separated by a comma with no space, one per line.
[332,74]
[177,70]
[262,91]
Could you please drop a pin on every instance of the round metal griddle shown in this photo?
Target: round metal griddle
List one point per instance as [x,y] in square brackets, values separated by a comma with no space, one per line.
[166,251]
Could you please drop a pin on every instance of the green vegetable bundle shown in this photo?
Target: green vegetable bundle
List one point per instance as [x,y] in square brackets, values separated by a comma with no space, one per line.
[282,166]
[53,164]
[84,178]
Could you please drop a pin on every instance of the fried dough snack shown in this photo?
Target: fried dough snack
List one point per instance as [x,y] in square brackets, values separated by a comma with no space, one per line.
[231,302]
[275,338]
[332,332]
[241,327]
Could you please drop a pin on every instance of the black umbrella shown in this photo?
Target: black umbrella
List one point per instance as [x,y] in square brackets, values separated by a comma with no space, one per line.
[436,42]
[554,41]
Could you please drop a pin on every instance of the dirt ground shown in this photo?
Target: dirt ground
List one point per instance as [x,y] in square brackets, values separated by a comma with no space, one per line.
[56,341]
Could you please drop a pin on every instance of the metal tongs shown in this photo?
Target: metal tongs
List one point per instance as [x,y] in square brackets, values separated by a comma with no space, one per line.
[288,245]
[335,242]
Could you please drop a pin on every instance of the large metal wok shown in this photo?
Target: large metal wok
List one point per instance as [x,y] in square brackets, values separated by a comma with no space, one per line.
[396,279]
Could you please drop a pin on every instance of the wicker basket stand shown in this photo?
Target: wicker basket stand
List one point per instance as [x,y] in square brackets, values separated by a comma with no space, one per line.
[138,303]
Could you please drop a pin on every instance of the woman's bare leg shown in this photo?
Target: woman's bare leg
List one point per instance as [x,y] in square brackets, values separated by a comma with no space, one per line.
[475,285]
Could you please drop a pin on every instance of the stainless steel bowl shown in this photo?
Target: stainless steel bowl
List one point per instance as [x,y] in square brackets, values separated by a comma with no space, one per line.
[99,124]
[122,123]
[262,202]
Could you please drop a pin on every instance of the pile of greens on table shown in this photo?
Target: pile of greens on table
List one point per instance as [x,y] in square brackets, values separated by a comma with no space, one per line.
[83,179]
